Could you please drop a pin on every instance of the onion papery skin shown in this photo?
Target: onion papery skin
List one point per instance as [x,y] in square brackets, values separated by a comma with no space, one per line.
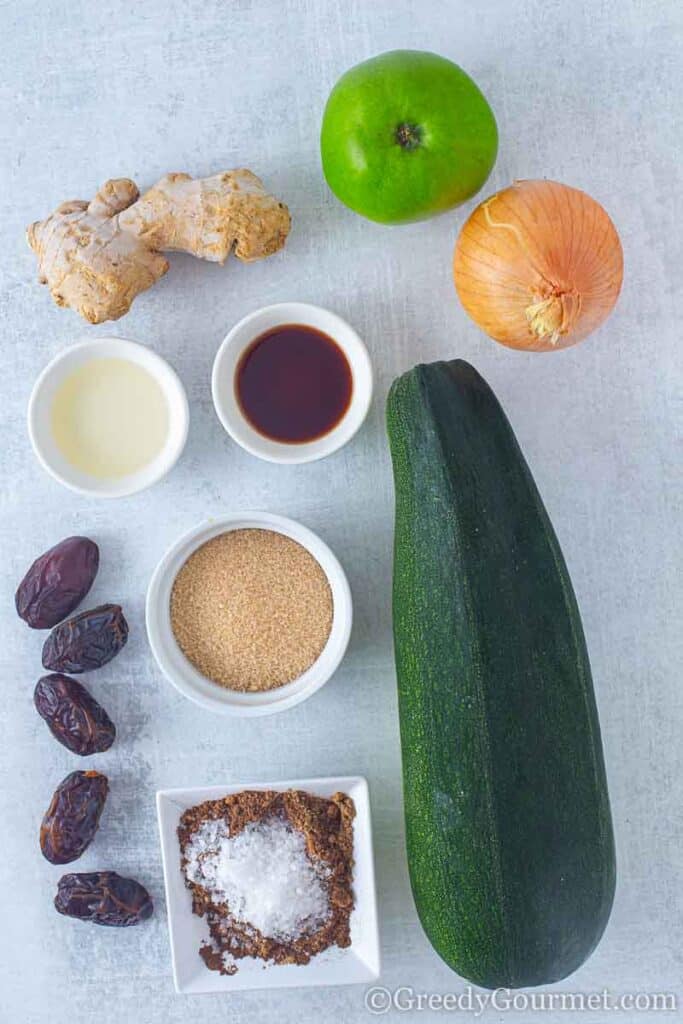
[538,266]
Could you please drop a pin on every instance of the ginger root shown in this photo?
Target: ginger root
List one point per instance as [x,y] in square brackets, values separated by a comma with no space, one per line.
[210,217]
[88,261]
[96,257]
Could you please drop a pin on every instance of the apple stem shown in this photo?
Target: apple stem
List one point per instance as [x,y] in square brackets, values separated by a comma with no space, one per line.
[408,136]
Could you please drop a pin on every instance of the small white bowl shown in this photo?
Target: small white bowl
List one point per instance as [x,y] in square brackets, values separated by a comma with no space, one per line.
[360,962]
[181,672]
[247,331]
[40,408]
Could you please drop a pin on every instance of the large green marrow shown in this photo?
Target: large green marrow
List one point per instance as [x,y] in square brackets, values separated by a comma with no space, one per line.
[509,834]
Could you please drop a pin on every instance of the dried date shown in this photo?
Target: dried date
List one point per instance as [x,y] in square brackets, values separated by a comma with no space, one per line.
[71,820]
[103,897]
[73,715]
[86,641]
[57,582]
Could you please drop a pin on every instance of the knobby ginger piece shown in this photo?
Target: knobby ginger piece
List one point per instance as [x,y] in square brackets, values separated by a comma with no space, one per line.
[96,257]
[88,261]
[210,217]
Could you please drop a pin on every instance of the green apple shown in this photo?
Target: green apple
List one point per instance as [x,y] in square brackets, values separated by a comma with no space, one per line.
[406,135]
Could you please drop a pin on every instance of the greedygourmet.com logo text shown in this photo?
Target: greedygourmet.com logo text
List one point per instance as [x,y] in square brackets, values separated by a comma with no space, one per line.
[379,1000]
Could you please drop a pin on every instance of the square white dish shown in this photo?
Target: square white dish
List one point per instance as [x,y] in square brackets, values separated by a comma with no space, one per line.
[187,932]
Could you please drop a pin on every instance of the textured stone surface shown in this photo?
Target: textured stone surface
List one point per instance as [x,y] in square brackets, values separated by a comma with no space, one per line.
[585,92]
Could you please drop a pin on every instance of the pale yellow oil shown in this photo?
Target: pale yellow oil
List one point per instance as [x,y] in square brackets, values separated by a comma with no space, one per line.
[110,418]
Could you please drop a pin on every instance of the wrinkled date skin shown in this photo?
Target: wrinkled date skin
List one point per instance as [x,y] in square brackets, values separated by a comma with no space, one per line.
[57,582]
[73,715]
[103,897]
[71,820]
[87,641]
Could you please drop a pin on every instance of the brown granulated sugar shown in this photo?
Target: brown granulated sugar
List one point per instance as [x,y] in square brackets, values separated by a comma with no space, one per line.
[327,826]
[251,609]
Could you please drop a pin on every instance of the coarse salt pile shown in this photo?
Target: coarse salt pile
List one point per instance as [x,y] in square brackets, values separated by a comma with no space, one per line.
[263,874]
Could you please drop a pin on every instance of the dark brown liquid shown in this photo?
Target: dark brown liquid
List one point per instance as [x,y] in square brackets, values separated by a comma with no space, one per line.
[294,384]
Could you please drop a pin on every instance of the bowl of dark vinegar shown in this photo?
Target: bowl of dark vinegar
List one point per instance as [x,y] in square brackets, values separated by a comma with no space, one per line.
[292,382]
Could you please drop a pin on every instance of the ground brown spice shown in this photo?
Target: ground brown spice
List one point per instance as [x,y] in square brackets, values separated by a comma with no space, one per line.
[327,825]
[251,609]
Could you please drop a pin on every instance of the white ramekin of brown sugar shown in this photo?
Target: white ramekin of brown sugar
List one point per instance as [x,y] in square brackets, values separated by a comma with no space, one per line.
[249,614]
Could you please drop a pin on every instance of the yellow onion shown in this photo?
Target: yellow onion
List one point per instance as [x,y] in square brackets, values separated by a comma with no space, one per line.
[538,266]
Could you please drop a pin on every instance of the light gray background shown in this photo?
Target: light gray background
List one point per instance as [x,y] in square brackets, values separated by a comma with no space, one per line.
[585,92]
